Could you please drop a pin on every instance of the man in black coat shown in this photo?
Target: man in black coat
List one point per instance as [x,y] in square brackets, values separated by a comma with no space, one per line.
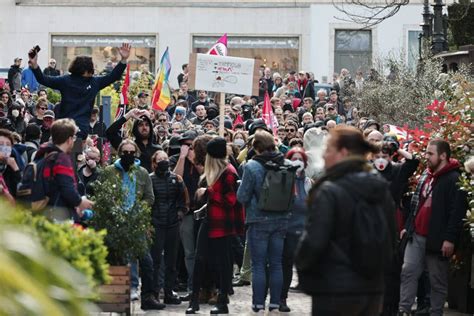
[14,75]
[434,226]
[327,258]
[142,131]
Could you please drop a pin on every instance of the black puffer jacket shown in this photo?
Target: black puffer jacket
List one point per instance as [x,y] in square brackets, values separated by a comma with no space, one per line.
[171,197]
[323,255]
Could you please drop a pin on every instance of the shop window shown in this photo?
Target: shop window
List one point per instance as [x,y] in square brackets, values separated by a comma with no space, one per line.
[353,50]
[413,49]
[281,54]
[104,50]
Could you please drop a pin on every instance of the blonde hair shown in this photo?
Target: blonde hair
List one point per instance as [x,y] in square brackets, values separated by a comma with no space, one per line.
[213,168]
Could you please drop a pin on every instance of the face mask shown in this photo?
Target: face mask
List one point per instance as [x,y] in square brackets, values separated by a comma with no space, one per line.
[239,142]
[163,166]
[126,160]
[5,150]
[380,164]
[300,165]
[15,113]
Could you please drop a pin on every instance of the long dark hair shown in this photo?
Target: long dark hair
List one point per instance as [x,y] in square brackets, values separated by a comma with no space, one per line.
[80,65]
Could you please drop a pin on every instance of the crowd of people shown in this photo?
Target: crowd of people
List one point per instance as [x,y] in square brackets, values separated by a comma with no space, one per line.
[205,190]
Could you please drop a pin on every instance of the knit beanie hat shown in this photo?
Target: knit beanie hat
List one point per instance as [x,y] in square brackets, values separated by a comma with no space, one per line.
[217,148]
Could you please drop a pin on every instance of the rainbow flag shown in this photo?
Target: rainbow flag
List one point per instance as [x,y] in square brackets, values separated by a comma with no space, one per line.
[161,95]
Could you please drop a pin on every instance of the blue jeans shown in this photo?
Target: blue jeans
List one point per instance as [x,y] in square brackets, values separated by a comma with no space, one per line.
[134,274]
[266,240]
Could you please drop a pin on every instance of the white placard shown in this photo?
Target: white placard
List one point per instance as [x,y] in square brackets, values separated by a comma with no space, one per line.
[224,74]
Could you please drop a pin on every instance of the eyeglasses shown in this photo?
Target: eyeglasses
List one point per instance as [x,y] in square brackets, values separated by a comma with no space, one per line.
[129,152]
[179,114]
[162,120]
[291,130]
[42,108]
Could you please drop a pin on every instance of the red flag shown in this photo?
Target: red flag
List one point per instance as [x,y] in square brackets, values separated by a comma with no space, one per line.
[238,120]
[122,108]
[124,91]
[267,115]
[220,47]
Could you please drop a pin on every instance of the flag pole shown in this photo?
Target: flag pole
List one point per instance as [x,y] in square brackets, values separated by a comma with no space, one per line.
[221,114]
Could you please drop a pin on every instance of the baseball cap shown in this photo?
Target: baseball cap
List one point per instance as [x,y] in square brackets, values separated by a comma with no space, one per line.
[188,135]
[49,113]
[17,59]
[142,94]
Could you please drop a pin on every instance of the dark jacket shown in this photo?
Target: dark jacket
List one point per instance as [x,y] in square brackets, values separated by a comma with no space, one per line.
[449,206]
[98,129]
[113,135]
[171,197]
[14,78]
[63,191]
[323,255]
[397,175]
[78,94]
[52,72]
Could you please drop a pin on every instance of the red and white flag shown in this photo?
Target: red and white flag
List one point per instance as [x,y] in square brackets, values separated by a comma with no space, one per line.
[267,115]
[122,108]
[219,48]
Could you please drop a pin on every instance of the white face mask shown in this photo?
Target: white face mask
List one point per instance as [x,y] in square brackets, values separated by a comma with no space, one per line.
[5,150]
[15,113]
[380,164]
[239,142]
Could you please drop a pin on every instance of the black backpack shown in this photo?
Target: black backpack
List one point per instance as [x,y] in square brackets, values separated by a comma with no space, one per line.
[33,188]
[277,192]
[371,247]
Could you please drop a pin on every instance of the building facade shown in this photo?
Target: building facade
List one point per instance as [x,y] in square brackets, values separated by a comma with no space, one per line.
[284,34]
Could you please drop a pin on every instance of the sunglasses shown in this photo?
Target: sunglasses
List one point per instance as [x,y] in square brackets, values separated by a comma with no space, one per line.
[290,130]
[126,152]
[179,113]
[42,108]
[162,120]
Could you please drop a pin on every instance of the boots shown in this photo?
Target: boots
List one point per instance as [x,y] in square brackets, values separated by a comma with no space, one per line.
[283,307]
[221,306]
[172,299]
[150,302]
[193,304]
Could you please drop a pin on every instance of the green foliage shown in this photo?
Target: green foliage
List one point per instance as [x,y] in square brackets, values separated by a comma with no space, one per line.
[128,231]
[461,23]
[83,249]
[402,99]
[34,281]
[144,82]
[53,96]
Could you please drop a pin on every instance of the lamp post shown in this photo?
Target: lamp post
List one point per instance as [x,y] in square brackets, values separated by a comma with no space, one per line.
[438,42]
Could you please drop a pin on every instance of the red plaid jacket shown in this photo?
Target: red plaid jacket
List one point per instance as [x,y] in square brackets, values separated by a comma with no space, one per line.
[225,214]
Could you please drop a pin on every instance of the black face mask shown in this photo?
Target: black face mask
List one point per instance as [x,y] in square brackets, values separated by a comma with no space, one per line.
[162,166]
[127,160]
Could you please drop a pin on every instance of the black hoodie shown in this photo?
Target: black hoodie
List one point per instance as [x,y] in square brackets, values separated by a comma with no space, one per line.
[113,135]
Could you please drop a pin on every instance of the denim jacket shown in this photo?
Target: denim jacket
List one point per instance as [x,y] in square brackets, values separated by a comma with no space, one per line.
[247,194]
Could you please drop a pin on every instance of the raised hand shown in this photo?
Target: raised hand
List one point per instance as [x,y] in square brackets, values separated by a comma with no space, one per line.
[33,62]
[125,51]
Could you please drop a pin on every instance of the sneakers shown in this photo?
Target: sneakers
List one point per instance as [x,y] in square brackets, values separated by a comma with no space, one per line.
[240,282]
[172,299]
[402,313]
[149,302]
[134,295]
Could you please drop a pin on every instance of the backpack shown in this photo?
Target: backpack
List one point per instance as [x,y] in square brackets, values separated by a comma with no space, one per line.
[370,248]
[33,188]
[277,192]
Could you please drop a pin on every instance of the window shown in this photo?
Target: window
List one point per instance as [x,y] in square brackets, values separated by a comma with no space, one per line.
[104,50]
[281,54]
[353,50]
[413,49]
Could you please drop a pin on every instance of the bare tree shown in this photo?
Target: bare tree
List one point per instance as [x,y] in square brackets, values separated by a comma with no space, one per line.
[368,13]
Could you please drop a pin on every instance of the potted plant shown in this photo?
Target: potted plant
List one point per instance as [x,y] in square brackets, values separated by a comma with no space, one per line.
[128,236]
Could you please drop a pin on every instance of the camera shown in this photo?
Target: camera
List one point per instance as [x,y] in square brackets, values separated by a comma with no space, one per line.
[35,50]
